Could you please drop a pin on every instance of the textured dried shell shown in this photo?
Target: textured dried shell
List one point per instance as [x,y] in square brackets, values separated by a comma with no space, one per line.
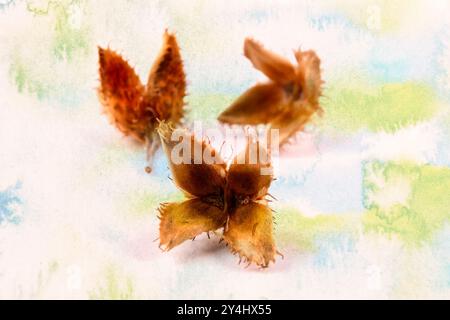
[275,67]
[197,180]
[249,234]
[166,86]
[184,221]
[136,110]
[121,94]
[249,175]
[287,103]
[259,104]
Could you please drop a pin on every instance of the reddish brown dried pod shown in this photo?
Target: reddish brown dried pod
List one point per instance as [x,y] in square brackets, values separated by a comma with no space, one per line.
[288,101]
[135,109]
[233,199]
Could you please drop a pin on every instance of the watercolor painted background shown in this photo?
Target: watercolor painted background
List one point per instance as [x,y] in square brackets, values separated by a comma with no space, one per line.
[363,206]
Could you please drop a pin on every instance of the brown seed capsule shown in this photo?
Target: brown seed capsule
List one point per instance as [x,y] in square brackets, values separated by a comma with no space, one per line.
[232,199]
[136,109]
[288,101]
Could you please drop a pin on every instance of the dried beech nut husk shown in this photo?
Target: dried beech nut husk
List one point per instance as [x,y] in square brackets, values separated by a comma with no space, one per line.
[136,109]
[288,101]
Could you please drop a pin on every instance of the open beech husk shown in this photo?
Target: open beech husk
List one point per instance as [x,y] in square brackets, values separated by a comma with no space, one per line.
[286,102]
[233,198]
[135,109]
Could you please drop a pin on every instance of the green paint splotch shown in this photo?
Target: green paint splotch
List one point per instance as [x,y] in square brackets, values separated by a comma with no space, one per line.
[207,107]
[383,16]
[53,63]
[295,230]
[114,286]
[406,200]
[140,203]
[45,276]
[354,105]
[28,80]
[70,36]
[46,83]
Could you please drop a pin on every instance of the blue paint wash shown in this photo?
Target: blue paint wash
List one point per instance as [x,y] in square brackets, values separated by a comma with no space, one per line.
[328,188]
[330,246]
[394,59]
[441,252]
[4,4]
[8,199]
[257,15]
[329,20]
[441,51]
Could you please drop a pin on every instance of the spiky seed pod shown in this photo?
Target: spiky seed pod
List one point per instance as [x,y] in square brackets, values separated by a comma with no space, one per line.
[290,98]
[135,109]
[249,227]
[232,199]
[202,182]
